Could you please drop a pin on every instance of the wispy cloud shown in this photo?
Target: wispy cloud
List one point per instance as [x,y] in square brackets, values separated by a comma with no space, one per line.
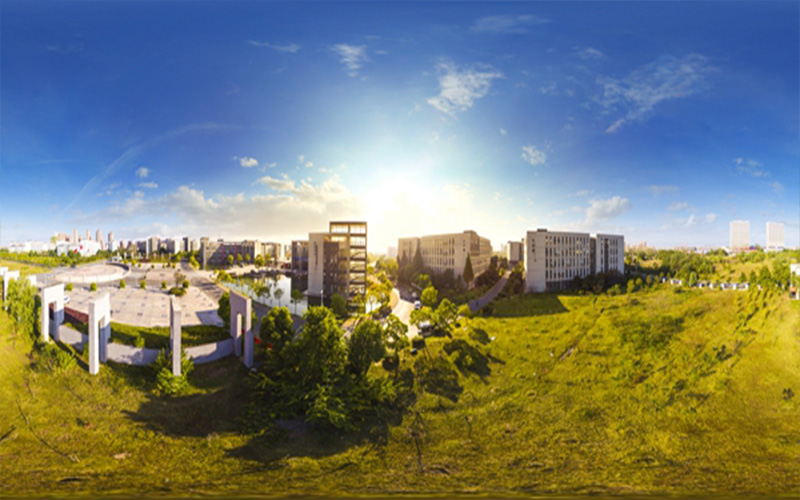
[607,209]
[678,205]
[659,190]
[246,161]
[641,91]
[533,155]
[110,189]
[507,24]
[588,53]
[142,172]
[777,187]
[503,131]
[291,48]
[458,89]
[750,167]
[352,56]
[282,184]
[66,48]
[582,192]
[148,185]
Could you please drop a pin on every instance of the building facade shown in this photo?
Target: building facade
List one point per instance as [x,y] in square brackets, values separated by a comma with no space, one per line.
[299,253]
[514,252]
[775,239]
[337,260]
[740,235]
[448,252]
[553,259]
[216,253]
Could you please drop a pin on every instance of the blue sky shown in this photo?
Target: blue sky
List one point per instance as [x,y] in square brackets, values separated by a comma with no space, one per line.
[662,121]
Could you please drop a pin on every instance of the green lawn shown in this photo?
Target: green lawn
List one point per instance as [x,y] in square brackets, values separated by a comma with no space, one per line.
[662,391]
[158,336]
[23,267]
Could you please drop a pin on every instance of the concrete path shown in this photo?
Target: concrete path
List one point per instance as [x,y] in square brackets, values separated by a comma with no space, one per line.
[478,303]
[403,310]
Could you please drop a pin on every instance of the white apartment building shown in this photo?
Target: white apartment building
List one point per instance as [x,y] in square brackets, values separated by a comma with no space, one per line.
[740,234]
[553,259]
[443,252]
[514,252]
[775,239]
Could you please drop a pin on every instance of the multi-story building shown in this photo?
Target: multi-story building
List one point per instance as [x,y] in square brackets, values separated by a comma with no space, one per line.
[513,253]
[110,238]
[299,253]
[98,236]
[271,249]
[74,236]
[60,236]
[553,258]
[775,239]
[448,252]
[337,260]
[88,238]
[740,234]
[217,252]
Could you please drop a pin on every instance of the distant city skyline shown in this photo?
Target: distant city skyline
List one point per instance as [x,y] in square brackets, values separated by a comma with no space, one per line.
[663,121]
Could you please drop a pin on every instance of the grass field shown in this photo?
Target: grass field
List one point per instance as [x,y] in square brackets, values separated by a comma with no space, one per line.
[661,391]
[158,336]
[23,267]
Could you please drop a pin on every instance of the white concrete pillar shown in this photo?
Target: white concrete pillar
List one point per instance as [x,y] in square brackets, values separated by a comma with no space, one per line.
[32,279]
[241,307]
[99,331]
[52,295]
[248,348]
[175,335]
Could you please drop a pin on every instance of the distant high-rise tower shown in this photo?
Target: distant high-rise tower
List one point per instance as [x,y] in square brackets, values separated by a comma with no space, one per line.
[88,236]
[74,235]
[99,237]
[740,234]
[110,238]
[775,236]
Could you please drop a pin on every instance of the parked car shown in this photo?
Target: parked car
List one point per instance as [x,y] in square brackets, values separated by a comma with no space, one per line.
[66,299]
[417,304]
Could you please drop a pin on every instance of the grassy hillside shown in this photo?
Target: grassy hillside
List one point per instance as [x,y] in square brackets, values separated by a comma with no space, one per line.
[661,391]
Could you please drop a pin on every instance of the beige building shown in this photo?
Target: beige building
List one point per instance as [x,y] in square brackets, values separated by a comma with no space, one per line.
[775,239]
[740,234]
[443,252]
[337,260]
[554,258]
[514,252]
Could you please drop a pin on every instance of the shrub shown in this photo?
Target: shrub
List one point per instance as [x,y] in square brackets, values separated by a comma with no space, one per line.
[177,291]
[185,284]
[139,342]
[163,285]
[143,284]
[122,284]
[93,287]
[166,383]
[69,287]
[55,359]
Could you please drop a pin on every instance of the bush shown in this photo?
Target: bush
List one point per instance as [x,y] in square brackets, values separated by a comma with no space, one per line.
[143,284]
[55,359]
[166,383]
[69,287]
[163,285]
[93,287]
[177,291]
[122,284]
[139,342]
[185,284]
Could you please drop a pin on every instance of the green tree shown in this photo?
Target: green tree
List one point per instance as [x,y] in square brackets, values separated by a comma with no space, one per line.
[277,328]
[247,257]
[224,310]
[142,284]
[122,284]
[297,296]
[464,311]
[263,291]
[193,262]
[238,258]
[753,278]
[742,278]
[429,297]
[339,306]
[396,338]
[21,303]
[69,287]
[163,285]
[416,264]
[468,274]
[230,260]
[259,261]
[631,286]
[367,345]
[278,293]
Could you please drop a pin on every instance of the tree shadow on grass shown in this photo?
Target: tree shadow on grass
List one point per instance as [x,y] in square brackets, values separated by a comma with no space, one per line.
[529,305]
[216,410]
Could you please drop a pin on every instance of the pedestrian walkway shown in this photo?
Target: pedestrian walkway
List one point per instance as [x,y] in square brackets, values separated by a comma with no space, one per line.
[477,304]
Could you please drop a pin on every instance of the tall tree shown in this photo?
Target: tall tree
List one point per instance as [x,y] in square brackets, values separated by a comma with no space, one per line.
[468,273]
[224,310]
[367,345]
[297,296]
[429,297]
[416,264]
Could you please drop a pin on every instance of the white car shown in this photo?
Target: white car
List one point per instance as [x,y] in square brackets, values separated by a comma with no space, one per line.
[417,304]
[66,299]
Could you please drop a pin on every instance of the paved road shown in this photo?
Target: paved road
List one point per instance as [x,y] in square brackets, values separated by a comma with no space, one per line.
[478,303]
[403,310]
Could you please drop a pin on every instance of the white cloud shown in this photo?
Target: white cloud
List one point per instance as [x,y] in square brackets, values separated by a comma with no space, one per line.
[641,91]
[284,184]
[607,209]
[142,172]
[581,193]
[678,205]
[148,185]
[246,161]
[533,156]
[659,190]
[272,165]
[503,131]
[590,53]
[693,221]
[750,167]
[309,165]
[777,187]
[352,56]
[459,89]
[507,24]
[291,48]
[110,189]
[301,158]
